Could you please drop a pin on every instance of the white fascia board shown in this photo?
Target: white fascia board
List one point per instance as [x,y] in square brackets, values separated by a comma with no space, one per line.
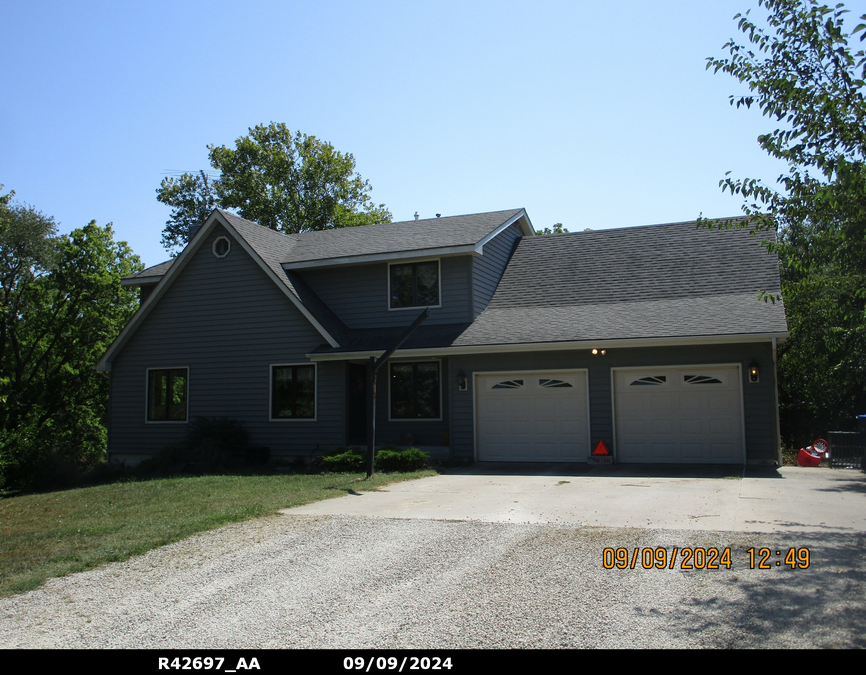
[438,252]
[508,223]
[179,263]
[747,338]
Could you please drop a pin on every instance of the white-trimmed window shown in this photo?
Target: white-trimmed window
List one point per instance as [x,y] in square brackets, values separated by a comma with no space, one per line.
[167,390]
[415,390]
[413,284]
[293,392]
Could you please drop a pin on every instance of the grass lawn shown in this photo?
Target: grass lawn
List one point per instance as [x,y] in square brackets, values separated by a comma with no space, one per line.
[58,533]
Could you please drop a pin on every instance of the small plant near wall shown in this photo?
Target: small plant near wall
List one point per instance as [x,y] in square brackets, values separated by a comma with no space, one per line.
[410,459]
[344,459]
[388,459]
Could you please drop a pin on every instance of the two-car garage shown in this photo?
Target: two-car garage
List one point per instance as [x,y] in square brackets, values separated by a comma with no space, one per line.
[689,415]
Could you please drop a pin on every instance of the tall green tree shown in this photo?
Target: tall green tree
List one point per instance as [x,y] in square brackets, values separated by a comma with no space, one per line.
[62,306]
[289,182]
[192,198]
[802,73]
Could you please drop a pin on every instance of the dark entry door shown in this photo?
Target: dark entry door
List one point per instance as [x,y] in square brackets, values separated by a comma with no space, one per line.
[357,403]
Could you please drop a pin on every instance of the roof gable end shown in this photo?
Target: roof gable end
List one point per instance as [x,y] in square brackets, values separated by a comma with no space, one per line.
[264,249]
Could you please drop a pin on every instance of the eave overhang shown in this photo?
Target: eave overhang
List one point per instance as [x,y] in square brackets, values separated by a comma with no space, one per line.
[745,338]
[417,254]
[142,281]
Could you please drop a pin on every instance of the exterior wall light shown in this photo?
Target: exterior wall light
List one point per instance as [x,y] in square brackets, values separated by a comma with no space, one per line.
[599,352]
[754,372]
[461,381]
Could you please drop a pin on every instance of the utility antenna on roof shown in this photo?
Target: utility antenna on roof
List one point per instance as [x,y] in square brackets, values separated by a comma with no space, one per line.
[416,215]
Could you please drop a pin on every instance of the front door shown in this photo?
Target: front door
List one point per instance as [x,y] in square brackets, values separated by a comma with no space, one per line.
[357,403]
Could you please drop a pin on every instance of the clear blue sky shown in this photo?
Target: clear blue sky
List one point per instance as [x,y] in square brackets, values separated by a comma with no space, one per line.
[591,114]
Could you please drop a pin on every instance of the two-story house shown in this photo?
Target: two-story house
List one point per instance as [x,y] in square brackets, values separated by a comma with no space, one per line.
[650,339]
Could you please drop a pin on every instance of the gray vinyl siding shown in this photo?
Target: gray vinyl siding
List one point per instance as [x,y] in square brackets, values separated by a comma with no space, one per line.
[227,322]
[358,294]
[487,268]
[758,399]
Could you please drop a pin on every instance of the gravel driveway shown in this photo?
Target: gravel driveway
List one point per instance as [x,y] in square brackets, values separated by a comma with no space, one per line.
[352,582]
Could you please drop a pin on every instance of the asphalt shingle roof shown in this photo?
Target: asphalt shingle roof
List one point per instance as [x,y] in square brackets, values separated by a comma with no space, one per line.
[658,281]
[406,236]
[276,249]
[153,271]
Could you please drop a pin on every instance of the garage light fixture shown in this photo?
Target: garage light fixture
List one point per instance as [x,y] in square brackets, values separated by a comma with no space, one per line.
[461,381]
[599,352]
[754,372]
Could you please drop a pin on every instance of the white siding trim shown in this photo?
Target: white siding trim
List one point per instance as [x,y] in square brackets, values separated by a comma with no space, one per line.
[508,223]
[407,256]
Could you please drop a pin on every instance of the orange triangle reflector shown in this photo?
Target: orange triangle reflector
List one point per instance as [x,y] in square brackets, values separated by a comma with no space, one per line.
[601,449]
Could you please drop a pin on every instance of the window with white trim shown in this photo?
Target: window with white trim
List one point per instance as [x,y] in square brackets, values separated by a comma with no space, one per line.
[414,284]
[293,392]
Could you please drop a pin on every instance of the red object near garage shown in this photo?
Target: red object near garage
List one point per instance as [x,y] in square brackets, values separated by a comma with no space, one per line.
[806,458]
[813,454]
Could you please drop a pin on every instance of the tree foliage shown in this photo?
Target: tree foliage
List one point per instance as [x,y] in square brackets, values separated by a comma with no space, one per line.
[62,306]
[802,73]
[192,198]
[288,182]
[556,229]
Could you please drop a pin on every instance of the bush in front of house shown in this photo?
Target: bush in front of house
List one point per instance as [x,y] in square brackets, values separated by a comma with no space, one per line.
[344,459]
[410,459]
[388,459]
[209,443]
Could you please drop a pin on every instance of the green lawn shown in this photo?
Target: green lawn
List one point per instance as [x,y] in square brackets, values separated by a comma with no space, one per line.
[58,533]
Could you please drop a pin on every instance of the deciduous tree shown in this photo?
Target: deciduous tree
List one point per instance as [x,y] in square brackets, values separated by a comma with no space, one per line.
[802,73]
[288,182]
[62,306]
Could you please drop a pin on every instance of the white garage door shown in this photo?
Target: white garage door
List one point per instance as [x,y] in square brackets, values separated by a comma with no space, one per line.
[532,417]
[679,415]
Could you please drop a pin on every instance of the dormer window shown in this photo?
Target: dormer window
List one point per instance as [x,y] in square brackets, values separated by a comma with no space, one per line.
[414,284]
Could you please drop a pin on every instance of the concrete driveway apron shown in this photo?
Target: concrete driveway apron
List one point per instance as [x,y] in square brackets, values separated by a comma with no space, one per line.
[757,499]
